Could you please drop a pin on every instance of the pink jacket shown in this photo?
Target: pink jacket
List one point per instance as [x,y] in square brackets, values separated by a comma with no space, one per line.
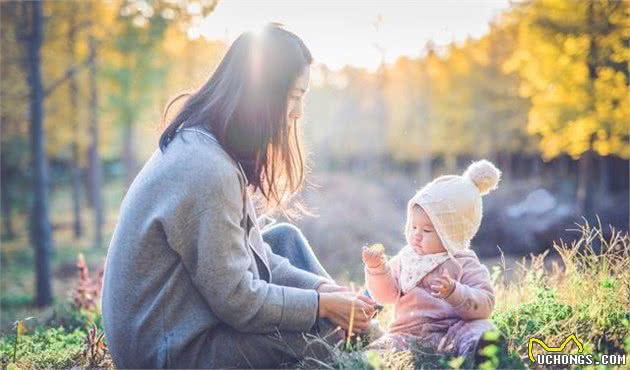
[452,324]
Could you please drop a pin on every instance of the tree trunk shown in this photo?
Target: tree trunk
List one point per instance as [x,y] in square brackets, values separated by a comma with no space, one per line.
[129,155]
[40,230]
[562,174]
[6,205]
[494,154]
[77,224]
[450,162]
[584,188]
[505,163]
[381,115]
[5,200]
[76,169]
[516,165]
[426,165]
[584,183]
[537,172]
[604,175]
[86,181]
[95,178]
[425,168]
[563,167]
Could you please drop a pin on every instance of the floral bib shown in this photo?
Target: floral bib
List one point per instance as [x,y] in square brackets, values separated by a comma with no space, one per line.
[414,266]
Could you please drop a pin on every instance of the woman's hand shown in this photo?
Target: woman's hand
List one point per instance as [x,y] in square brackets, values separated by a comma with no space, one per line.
[337,307]
[443,286]
[373,257]
[331,288]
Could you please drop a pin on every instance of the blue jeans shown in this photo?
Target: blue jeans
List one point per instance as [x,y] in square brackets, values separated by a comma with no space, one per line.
[288,241]
[272,350]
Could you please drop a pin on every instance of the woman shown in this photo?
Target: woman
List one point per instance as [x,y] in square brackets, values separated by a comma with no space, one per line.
[190,279]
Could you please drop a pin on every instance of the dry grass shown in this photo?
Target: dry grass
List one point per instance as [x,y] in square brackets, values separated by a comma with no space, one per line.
[585,292]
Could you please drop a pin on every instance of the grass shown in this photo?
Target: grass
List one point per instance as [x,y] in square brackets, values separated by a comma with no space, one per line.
[17,280]
[69,338]
[586,292]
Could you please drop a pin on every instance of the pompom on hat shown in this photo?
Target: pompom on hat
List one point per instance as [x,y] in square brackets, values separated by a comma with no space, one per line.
[453,203]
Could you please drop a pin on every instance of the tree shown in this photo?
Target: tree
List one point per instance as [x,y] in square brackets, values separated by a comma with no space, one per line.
[70,44]
[14,112]
[572,58]
[40,230]
[77,226]
[94,160]
[409,95]
[137,71]
[497,115]
[457,102]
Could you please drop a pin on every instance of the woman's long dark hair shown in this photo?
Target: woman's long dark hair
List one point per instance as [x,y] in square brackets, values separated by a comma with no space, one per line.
[244,105]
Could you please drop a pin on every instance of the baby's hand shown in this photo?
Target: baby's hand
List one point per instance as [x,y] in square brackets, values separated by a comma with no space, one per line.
[373,256]
[443,286]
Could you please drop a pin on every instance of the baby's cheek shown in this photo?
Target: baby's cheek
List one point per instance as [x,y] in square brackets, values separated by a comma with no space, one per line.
[439,244]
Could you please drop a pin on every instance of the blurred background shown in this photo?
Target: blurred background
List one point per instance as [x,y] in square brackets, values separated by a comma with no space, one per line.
[401,92]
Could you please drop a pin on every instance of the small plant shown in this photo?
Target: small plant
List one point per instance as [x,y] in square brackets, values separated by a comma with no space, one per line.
[44,348]
[20,329]
[87,292]
[95,351]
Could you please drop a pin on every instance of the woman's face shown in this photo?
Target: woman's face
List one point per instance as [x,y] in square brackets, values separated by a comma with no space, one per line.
[295,104]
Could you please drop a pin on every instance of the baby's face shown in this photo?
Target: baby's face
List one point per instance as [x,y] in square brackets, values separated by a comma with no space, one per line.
[422,235]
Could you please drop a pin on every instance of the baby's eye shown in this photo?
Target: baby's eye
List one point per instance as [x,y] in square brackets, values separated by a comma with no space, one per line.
[427,230]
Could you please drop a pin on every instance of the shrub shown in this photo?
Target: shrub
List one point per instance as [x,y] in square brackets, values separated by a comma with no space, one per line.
[586,294]
[45,348]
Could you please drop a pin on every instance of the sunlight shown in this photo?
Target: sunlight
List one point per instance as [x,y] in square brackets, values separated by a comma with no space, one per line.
[341,33]
[170,168]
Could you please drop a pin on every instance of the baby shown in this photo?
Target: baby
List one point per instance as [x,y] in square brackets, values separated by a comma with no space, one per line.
[442,293]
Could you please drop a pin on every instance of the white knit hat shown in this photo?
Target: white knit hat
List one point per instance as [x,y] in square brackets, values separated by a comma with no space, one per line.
[453,203]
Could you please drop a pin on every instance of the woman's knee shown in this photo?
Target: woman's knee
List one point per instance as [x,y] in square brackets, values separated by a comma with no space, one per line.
[283,230]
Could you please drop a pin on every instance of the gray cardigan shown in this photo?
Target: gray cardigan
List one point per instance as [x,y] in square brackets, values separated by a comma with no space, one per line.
[187,256]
